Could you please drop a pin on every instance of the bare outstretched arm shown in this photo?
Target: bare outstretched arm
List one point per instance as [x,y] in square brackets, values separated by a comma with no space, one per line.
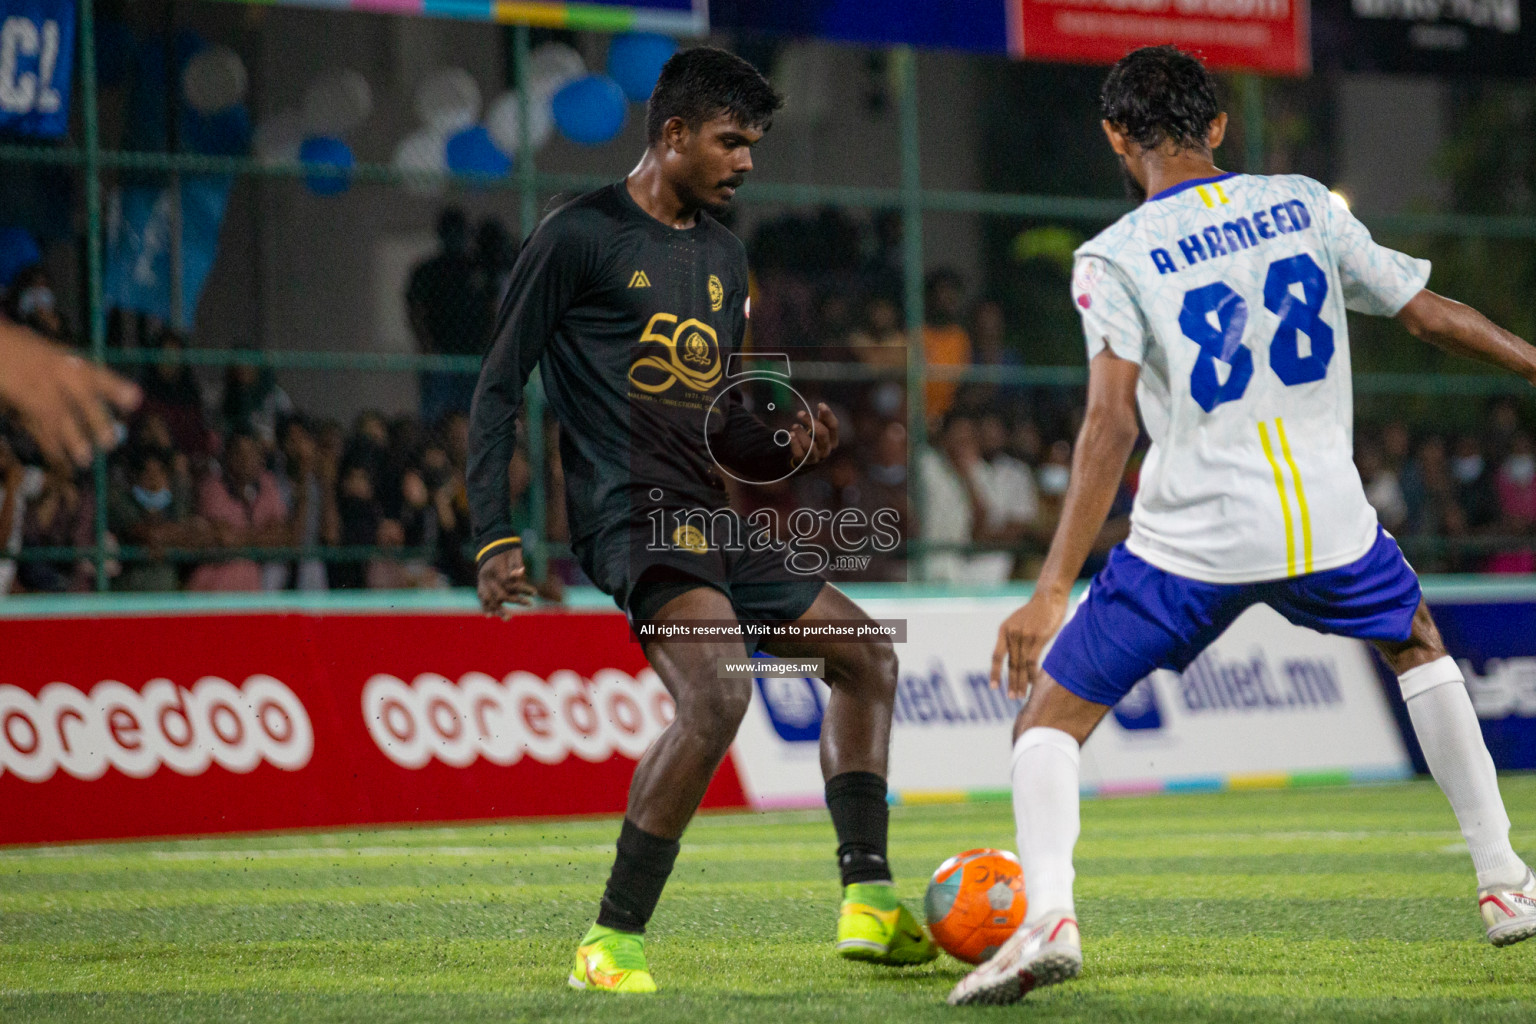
[1462,330]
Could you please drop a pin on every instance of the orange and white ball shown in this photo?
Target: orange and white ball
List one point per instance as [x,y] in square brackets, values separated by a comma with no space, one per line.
[975,901]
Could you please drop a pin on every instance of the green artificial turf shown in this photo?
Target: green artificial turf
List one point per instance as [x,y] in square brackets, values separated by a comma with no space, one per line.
[1324,904]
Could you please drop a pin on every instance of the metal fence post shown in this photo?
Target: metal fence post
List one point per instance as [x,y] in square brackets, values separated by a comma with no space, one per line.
[912,286]
[1253,124]
[93,260]
[533,406]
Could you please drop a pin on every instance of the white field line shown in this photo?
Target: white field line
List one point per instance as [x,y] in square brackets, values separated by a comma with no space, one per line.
[407,851]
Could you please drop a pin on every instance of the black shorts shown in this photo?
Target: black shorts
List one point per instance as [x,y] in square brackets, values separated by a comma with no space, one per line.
[642,576]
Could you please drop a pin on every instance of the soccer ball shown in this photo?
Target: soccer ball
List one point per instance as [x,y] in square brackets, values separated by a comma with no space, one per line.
[975,901]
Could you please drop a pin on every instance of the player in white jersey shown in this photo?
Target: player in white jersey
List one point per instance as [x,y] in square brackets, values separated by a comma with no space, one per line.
[1218,308]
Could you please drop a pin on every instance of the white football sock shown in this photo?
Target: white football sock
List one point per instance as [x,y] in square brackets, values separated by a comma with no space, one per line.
[1446,725]
[1045,809]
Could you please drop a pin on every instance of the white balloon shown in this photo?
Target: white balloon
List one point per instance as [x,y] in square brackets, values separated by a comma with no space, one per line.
[420,155]
[337,102]
[214,80]
[278,137]
[555,63]
[448,99]
[503,121]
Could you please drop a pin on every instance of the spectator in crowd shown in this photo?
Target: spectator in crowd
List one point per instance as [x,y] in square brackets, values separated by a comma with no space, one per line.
[1007,487]
[244,505]
[1516,485]
[442,465]
[989,333]
[880,341]
[359,515]
[147,509]
[171,391]
[1429,491]
[1503,419]
[312,471]
[150,433]
[19,485]
[946,345]
[1382,488]
[30,301]
[415,527]
[1397,447]
[1026,442]
[955,510]
[495,255]
[1476,492]
[254,403]
[63,516]
[1052,476]
[449,315]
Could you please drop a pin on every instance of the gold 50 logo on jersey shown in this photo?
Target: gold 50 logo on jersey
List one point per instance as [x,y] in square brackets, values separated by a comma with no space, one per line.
[690,355]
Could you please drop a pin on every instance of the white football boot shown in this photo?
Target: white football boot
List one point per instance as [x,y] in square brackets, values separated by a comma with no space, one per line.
[1509,913]
[1049,952]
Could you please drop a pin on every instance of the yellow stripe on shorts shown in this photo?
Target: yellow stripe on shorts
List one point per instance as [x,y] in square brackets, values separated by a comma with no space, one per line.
[1285,504]
[1301,497]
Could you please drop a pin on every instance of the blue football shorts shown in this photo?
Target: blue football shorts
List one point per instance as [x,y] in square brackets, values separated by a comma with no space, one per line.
[1137,618]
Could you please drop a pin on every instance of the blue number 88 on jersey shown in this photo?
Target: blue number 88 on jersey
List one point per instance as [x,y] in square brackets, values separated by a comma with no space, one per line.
[1223,339]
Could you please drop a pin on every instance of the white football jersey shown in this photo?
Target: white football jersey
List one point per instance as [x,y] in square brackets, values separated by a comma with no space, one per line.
[1230,293]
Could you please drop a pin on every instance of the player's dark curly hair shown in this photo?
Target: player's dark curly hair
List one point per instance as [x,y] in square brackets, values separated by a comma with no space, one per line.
[1158,94]
[703,83]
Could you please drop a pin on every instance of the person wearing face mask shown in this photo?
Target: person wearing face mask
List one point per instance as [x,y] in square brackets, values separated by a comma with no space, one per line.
[146,509]
[246,507]
[1516,485]
[30,301]
[1476,492]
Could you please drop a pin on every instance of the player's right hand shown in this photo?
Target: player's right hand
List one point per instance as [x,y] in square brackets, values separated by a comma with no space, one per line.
[64,402]
[503,581]
[1021,638]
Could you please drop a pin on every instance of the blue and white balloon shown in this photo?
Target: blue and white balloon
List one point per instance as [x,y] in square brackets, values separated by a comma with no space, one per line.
[422,160]
[503,120]
[471,151]
[591,110]
[327,151]
[635,60]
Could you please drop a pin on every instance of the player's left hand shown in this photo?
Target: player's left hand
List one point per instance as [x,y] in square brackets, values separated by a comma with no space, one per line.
[818,438]
[1021,638]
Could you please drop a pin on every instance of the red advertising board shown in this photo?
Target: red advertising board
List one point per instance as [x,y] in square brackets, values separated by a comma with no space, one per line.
[193,724]
[1267,36]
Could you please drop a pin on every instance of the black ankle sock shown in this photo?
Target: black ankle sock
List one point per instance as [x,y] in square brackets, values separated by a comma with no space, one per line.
[861,817]
[639,874]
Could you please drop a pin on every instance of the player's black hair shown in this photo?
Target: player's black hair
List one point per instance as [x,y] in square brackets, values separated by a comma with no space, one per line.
[1158,94]
[703,83]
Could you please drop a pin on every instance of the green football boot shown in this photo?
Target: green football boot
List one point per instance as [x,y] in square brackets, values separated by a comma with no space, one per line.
[873,926]
[612,961]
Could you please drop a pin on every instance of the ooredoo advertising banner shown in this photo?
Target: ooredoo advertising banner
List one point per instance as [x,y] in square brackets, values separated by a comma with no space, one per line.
[1268,36]
[176,725]
[1268,703]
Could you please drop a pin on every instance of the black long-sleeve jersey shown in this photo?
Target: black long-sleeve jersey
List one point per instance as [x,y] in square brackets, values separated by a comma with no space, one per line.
[631,323]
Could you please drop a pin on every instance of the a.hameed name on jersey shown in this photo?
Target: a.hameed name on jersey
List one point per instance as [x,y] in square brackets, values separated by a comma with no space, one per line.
[1234,236]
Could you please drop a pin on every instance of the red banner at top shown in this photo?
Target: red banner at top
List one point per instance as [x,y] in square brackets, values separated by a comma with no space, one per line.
[1267,36]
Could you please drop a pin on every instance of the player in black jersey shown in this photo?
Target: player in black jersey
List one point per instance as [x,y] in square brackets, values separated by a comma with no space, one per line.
[632,300]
